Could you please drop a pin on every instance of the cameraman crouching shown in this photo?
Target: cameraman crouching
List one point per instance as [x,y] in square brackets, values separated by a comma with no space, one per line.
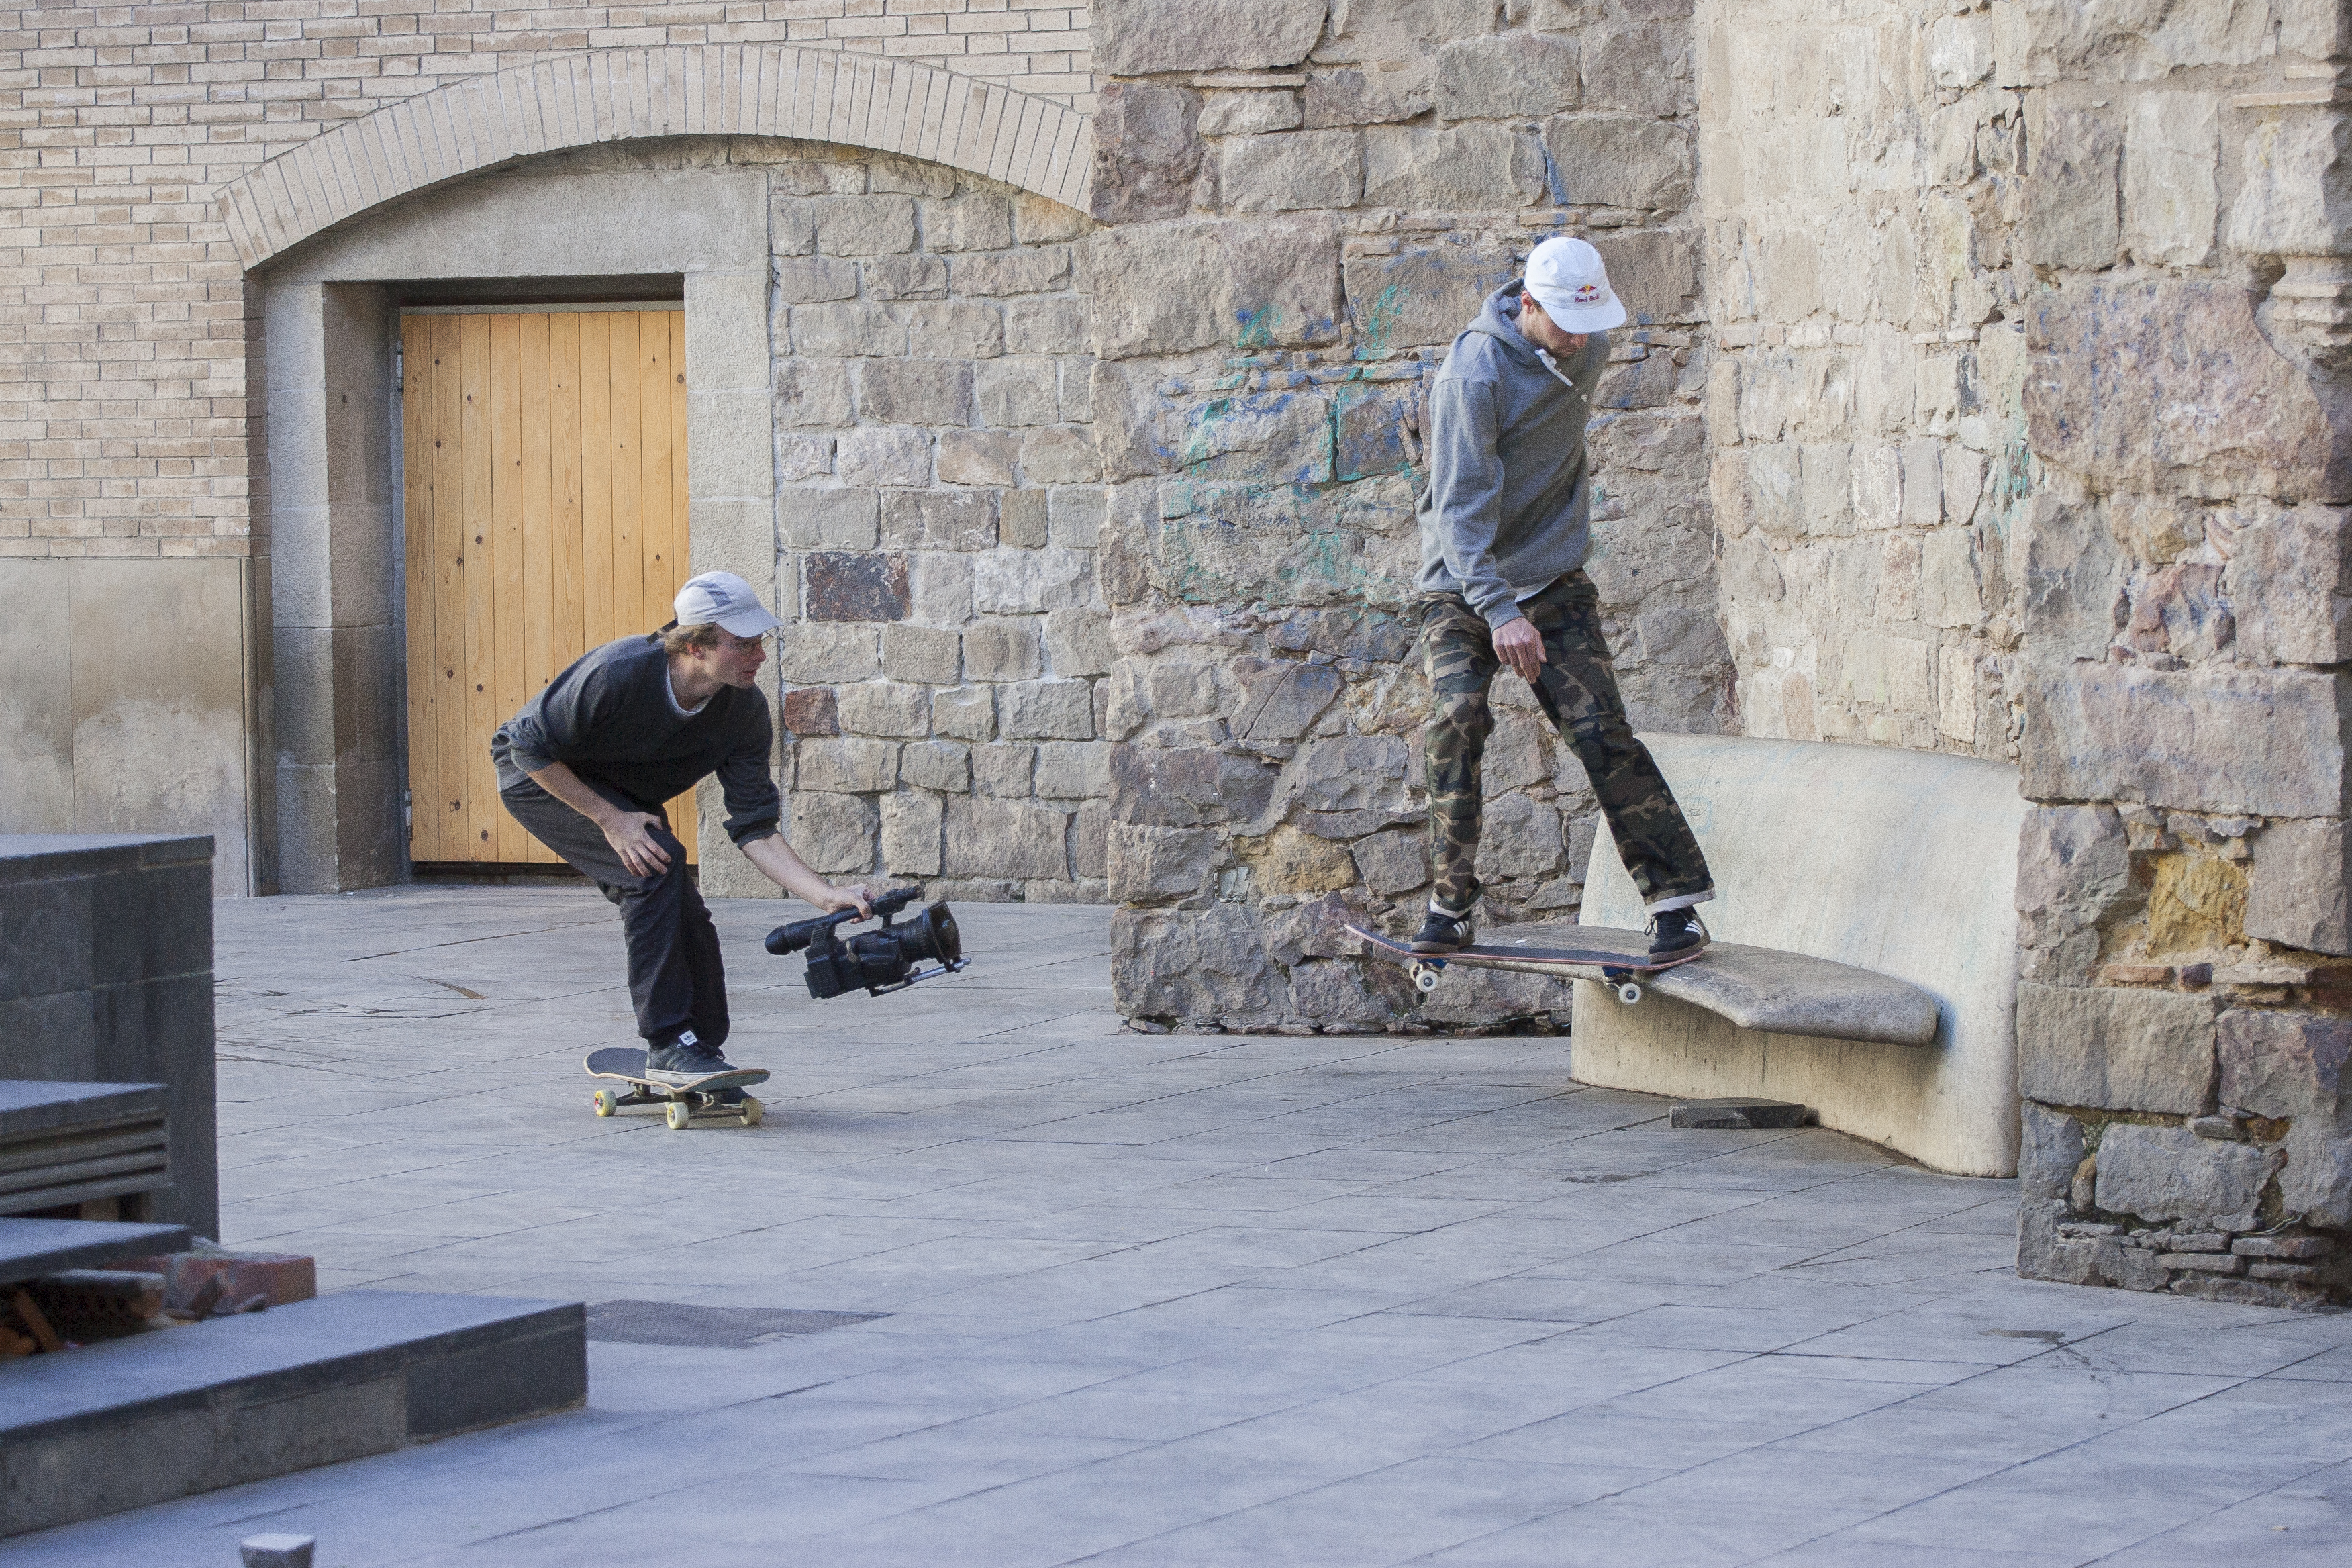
[587,763]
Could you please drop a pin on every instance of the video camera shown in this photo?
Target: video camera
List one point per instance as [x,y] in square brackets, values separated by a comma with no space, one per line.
[880,960]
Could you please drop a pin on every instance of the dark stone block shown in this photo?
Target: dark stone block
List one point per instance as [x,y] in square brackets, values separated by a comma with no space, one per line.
[813,711]
[161,1031]
[161,1415]
[121,926]
[156,924]
[53,857]
[32,1247]
[68,1143]
[46,928]
[1740,1115]
[856,587]
[48,1038]
[501,1382]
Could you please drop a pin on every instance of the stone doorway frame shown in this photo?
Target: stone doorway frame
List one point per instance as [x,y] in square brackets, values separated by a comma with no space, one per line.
[414,203]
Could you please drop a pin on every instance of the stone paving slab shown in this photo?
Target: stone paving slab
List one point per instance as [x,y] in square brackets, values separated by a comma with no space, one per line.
[1183,1298]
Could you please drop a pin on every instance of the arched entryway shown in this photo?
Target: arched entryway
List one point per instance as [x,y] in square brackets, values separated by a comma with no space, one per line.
[626,175]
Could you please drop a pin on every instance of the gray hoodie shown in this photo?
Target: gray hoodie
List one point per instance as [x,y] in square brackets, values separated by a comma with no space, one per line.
[1508,507]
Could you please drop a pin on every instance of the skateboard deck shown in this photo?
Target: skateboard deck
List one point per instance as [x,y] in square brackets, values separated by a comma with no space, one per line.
[682,1101]
[1616,958]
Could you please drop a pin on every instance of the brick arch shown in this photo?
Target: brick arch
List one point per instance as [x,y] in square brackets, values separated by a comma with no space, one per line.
[613,95]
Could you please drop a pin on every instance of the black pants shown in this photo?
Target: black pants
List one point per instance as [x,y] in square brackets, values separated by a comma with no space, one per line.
[676,980]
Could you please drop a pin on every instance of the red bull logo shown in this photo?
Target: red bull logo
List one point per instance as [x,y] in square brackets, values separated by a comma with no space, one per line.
[1588,294]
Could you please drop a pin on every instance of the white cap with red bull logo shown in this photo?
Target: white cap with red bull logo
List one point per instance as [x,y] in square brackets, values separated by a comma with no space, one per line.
[1567,278]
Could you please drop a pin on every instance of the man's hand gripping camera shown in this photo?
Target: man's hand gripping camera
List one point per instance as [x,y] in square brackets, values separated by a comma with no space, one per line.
[880,960]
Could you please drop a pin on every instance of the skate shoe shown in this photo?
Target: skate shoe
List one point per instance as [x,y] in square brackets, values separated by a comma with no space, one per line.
[1443,933]
[1676,930]
[683,1060]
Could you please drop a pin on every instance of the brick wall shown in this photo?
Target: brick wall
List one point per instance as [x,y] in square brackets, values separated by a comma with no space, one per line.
[125,325]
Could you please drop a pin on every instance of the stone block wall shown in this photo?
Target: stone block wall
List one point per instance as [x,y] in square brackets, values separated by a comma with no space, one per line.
[938,515]
[1304,202]
[1861,181]
[2185,1011]
[2027,440]
[108,979]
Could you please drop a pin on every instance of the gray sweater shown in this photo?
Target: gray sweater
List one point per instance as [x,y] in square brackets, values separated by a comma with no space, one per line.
[1508,507]
[613,720]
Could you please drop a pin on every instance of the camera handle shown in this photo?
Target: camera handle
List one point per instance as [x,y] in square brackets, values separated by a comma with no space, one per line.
[818,930]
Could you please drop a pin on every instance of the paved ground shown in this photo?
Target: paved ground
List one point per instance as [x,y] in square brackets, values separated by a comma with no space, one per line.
[1185,1300]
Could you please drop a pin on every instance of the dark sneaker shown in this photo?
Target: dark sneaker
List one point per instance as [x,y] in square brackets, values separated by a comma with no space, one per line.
[1443,933]
[1676,930]
[683,1061]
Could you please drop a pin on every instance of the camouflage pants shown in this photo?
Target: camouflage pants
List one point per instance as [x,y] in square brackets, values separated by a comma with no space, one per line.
[1577,690]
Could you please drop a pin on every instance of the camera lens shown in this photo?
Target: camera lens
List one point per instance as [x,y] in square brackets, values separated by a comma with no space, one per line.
[933,934]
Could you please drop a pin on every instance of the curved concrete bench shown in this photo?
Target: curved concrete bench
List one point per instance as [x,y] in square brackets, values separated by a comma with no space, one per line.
[1866,963]
[1795,994]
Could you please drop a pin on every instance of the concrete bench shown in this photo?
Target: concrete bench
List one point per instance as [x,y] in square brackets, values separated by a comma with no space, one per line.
[1866,961]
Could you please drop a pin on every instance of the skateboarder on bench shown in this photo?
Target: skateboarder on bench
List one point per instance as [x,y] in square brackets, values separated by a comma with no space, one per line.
[1505,530]
[586,765]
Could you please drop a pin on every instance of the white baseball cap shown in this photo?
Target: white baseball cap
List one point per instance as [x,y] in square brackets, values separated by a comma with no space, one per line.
[723,597]
[1569,280]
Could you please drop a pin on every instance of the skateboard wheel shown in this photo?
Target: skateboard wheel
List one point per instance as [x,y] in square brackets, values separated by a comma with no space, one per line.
[1424,977]
[603,1102]
[752,1110]
[680,1113]
[1628,993]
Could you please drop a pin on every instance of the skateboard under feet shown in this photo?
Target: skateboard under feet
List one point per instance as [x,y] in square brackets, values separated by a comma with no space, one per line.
[1616,959]
[681,1102]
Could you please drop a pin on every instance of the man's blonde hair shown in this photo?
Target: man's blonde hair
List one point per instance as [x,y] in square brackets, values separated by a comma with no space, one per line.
[678,639]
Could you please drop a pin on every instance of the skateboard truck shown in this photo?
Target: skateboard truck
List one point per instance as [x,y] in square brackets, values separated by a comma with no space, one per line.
[1428,969]
[1426,972]
[680,1102]
[1621,968]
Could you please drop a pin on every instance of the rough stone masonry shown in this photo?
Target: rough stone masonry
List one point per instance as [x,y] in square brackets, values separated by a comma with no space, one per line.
[1987,393]
[1984,395]
[1303,204]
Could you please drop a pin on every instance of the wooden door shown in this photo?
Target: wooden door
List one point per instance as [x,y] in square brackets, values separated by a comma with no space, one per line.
[545,467]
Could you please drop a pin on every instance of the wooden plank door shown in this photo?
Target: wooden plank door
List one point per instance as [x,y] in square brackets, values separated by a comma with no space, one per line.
[544,460]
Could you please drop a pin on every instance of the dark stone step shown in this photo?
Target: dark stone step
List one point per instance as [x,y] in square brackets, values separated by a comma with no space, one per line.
[32,1247]
[178,1411]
